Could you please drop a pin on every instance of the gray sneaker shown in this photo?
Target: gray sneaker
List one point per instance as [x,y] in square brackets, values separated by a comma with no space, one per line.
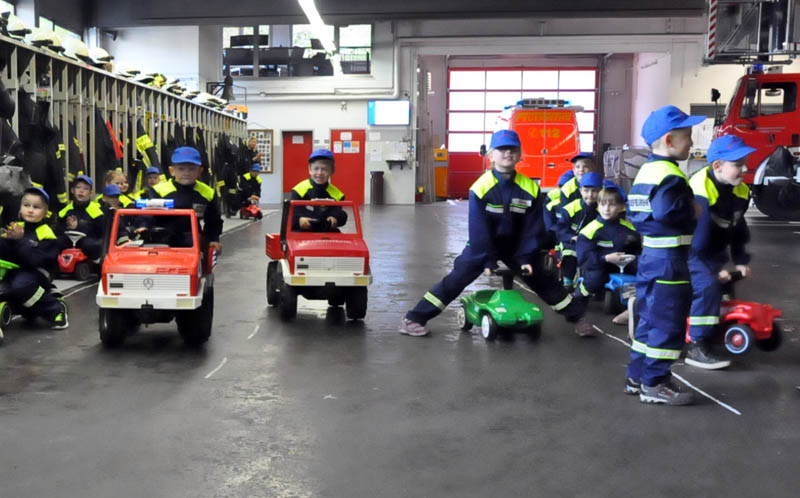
[413,329]
[699,355]
[666,393]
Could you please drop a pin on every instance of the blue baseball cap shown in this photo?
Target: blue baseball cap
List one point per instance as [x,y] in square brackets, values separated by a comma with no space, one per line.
[582,155]
[564,178]
[609,185]
[83,178]
[728,148]
[592,179]
[256,167]
[186,155]
[111,190]
[663,120]
[152,170]
[321,154]
[505,138]
[38,191]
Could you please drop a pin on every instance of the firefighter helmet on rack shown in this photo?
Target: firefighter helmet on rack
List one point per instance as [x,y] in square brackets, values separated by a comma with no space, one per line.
[99,57]
[74,48]
[12,26]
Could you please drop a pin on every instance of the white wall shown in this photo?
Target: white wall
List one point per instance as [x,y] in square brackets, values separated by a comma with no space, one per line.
[651,89]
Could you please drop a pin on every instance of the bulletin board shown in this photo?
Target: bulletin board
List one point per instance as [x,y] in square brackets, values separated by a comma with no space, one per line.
[264,141]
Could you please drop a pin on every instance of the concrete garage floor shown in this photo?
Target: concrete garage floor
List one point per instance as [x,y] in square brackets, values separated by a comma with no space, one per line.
[319,407]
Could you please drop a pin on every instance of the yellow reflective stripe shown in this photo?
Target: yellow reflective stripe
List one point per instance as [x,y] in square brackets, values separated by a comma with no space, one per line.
[434,300]
[569,252]
[703,320]
[163,189]
[563,303]
[554,195]
[484,184]
[65,210]
[555,202]
[258,179]
[584,291]
[639,347]
[742,191]
[673,282]
[663,354]
[703,186]
[334,192]
[60,149]
[605,243]
[44,232]
[144,142]
[303,187]
[569,188]
[34,298]
[653,173]
[527,184]
[573,207]
[37,185]
[220,183]
[204,190]
[666,242]
[94,210]
[125,200]
[627,224]
[62,197]
[247,176]
[591,229]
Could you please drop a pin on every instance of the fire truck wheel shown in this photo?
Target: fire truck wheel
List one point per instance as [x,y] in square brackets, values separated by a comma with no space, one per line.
[356,303]
[288,302]
[83,271]
[273,297]
[113,327]
[779,201]
[195,325]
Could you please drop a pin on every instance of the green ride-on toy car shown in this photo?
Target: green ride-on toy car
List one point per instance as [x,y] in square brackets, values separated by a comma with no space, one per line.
[494,310]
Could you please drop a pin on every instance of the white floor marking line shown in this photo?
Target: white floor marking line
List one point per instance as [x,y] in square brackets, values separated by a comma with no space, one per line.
[84,287]
[254,332]
[224,361]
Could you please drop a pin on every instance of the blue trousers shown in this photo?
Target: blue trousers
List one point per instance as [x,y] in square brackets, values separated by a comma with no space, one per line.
[663,297]
[468,267]
[25,292]
[706,298]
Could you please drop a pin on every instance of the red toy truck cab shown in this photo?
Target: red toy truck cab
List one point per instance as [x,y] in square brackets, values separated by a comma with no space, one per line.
[155,276]
[332,265]
[549,134]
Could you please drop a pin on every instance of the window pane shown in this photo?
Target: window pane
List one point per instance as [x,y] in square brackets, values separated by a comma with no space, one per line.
[466,121]
[467,80]
[467,101]
[355,35]
[263,29]
[503,80]
[497,101]
[467,142]
[577,80]
[546,80]
[583,99]
[587,142]
[585,121]
[63,33]
[540,95]
[303,33]
[45,23]
[778,98]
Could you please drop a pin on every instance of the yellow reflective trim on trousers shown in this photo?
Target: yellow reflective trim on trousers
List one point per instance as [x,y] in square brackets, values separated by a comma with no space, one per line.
[639,347]
[563,303]
[584,291]
[703,320]
[663,354]
[434,301]
[673,282]
[34,298]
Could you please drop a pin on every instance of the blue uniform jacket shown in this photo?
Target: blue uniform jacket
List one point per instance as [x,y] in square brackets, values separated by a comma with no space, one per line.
[89,216]
[660,202]
[602,237]
[721,223]
[307,190]
[551,209]
[573,217]
[37,249]
[505,218]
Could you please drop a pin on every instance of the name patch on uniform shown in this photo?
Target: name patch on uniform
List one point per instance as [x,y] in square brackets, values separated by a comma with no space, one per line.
[638,202]
[494,208]
[522,202]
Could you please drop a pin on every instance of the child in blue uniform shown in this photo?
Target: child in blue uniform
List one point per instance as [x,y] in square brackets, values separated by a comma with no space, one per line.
[250,184]
[321,167]
[662,208]
[505,224]
[84,215]
[573,216]
[723,199]
[602,243]
[33,246]
[581,164]
[553,203]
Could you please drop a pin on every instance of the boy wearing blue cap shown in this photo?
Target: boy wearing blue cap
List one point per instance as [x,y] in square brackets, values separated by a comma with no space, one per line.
[33,245]
[188,192]
[84,215]
[152,176]
[723,200]
[250,184]
[321,166]
[602,243]
[662,208]
[572,218]
[505,224]
[581,164]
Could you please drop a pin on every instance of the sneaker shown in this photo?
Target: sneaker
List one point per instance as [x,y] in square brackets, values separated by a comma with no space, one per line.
[666,393]
[699,355]
[632,386]
[621,319]
[61,321]
[413,329]
[585,329]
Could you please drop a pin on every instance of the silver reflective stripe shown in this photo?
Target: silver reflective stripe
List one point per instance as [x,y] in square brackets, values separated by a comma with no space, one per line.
[574,227]
[569,252]
[639,202]
[666,242]
[434,301]
[605,243]
[703,320]
[663,354]
[34,298]
[720,221]
[494,208]
[639,347]
[522,202]
[515,209]
[563,303]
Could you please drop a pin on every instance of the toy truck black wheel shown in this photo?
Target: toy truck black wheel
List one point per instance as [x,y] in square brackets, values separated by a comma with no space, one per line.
[489,327]
[83,271]
[5,314]
[242,215]
[774,341]
[337,300]
[288,302]
[463,321]
[612,302]
[535,331]
[738,338]
[356,303]
[272,283]
[114,326]
[195,325]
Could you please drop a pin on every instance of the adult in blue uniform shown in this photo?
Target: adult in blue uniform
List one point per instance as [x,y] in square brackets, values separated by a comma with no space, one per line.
[661,206]
[723,199]
[505,224]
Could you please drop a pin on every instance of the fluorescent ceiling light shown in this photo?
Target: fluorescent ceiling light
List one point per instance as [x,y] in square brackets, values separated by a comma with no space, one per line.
[317,25]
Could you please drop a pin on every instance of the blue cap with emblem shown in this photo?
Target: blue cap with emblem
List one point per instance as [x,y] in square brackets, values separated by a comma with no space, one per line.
[504,138]
[728,148]
[667,118]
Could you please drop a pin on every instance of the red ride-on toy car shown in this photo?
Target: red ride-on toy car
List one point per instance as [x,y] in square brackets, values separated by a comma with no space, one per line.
[73,261]
[744,323]
[325,263]
[251,211]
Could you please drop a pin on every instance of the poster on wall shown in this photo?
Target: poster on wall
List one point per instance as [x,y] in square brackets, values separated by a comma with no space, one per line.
[264,144]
